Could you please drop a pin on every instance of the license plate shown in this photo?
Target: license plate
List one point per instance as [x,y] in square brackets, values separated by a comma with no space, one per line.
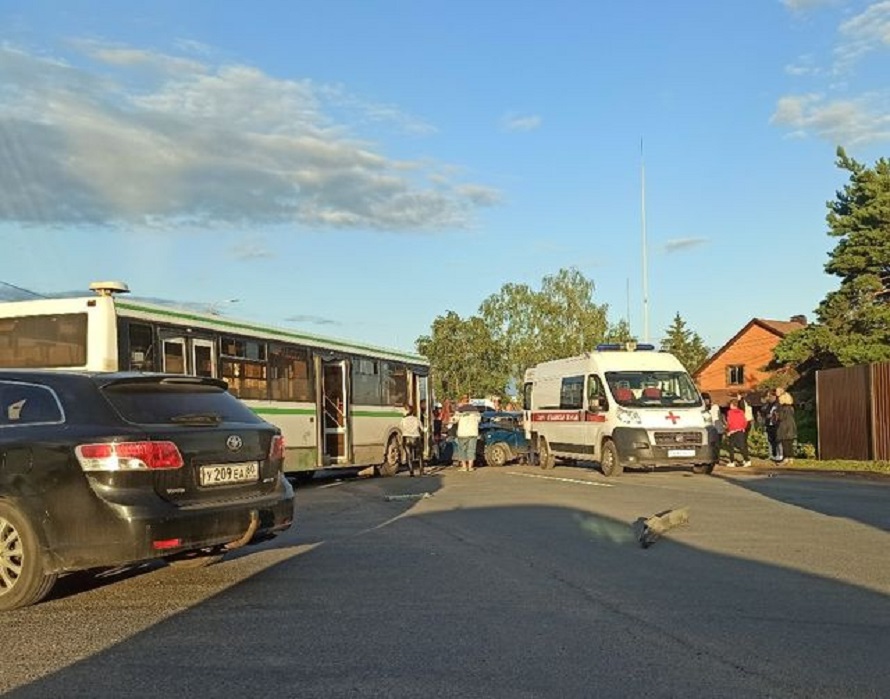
[223,474]
[681,452]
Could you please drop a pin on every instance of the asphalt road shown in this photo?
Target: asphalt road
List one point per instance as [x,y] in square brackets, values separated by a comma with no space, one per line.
[510,582]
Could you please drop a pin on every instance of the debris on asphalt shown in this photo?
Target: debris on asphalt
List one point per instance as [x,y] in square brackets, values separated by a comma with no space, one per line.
[653,528]
[407,496]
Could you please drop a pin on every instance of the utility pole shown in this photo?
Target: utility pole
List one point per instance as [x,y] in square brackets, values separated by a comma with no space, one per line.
[645,261]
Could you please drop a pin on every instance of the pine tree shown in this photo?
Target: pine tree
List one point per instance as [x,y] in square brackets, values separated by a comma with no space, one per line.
[853,322]
[684,344]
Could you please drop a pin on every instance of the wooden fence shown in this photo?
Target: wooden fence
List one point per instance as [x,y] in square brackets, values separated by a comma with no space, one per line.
[853,412]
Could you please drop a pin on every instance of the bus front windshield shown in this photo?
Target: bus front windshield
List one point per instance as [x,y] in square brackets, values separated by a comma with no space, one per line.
[653,389]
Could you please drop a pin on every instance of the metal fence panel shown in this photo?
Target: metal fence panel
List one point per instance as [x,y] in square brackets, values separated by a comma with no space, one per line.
[844,413]
[880,393]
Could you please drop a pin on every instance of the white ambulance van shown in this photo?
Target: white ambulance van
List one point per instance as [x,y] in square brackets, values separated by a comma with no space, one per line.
[620,405]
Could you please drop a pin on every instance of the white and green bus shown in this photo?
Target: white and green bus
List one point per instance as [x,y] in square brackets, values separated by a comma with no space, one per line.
[338,403]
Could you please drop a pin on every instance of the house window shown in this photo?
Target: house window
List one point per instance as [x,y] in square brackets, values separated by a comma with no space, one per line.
[735,375]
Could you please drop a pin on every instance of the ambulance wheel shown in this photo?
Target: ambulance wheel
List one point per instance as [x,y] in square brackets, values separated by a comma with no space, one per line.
[703,468]
[545,456]
[609,462]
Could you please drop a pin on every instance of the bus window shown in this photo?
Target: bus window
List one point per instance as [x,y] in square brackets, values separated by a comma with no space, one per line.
[243,366]
[140,340]
[395,384]
[202,357]
[44,341]
[174,356]
[366,382]
[289,374]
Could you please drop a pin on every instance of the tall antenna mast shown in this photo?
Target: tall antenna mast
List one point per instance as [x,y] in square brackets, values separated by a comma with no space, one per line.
[645,261]
[627,315]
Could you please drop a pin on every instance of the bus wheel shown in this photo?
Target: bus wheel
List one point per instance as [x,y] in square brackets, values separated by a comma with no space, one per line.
[22,578]
[545,456]
[496,455]
[390,465]
[703,468]
[609,462]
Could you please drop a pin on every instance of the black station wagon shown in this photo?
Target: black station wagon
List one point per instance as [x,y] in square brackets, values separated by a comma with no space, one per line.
[106,469]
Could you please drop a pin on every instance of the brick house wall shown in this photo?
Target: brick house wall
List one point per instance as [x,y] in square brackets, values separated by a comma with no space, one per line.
[743,358]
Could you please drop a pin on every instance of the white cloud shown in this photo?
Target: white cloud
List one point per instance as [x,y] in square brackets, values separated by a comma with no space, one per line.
[147,139]
[803,5]
[252,249]
[846,122]
[313,320]
[803,66]
[483,196]
[516,122]
[852,106]
[866,32]
[680,244]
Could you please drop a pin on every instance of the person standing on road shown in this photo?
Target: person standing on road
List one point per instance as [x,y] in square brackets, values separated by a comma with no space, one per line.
[735,430]
[749,413]
[719,426]
[412,430]
[714,436]
[786,430]
[468,419]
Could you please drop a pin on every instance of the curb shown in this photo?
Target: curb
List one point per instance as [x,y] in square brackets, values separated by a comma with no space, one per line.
[803,471]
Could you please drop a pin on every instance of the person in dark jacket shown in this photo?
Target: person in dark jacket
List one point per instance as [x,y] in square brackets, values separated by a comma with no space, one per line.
[786,429]
[769,412]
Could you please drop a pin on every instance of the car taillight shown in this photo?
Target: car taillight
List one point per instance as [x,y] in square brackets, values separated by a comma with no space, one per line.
[276,448]
[128,456]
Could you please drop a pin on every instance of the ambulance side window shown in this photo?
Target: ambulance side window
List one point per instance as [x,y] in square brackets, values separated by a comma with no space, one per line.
[571,394]
[596,394]
[527,396]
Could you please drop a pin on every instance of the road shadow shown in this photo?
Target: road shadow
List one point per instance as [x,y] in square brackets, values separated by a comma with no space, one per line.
[862,500]
[396,598]
[406,490]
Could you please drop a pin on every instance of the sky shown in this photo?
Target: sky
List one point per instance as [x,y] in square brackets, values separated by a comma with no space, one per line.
[356,168]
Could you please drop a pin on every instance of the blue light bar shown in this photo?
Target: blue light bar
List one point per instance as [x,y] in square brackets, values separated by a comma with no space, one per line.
[627,347]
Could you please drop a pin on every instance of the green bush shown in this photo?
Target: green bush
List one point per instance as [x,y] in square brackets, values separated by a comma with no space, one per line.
[758,444]
[805,450]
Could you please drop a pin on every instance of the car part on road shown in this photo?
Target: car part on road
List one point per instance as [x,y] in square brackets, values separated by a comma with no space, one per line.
[654,527]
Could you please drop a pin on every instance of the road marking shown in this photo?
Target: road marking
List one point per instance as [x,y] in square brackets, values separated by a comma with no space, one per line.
[557,478]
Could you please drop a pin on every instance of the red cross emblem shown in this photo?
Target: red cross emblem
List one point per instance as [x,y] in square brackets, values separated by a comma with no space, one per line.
[673,418]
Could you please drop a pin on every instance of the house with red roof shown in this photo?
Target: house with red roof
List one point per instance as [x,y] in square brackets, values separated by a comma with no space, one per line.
[740,365]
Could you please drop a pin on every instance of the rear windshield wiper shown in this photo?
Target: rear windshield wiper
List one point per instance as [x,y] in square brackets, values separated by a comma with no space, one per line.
[198,418]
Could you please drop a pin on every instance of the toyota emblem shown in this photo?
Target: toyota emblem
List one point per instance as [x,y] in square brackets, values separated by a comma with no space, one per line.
[234,442]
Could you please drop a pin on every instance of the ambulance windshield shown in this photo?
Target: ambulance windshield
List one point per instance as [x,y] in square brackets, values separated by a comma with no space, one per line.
[653,389]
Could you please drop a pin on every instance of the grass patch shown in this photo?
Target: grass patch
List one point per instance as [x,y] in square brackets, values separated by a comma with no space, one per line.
[839,465]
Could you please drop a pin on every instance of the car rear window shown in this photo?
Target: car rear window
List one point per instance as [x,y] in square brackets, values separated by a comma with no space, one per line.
[24,403]
[186,403]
